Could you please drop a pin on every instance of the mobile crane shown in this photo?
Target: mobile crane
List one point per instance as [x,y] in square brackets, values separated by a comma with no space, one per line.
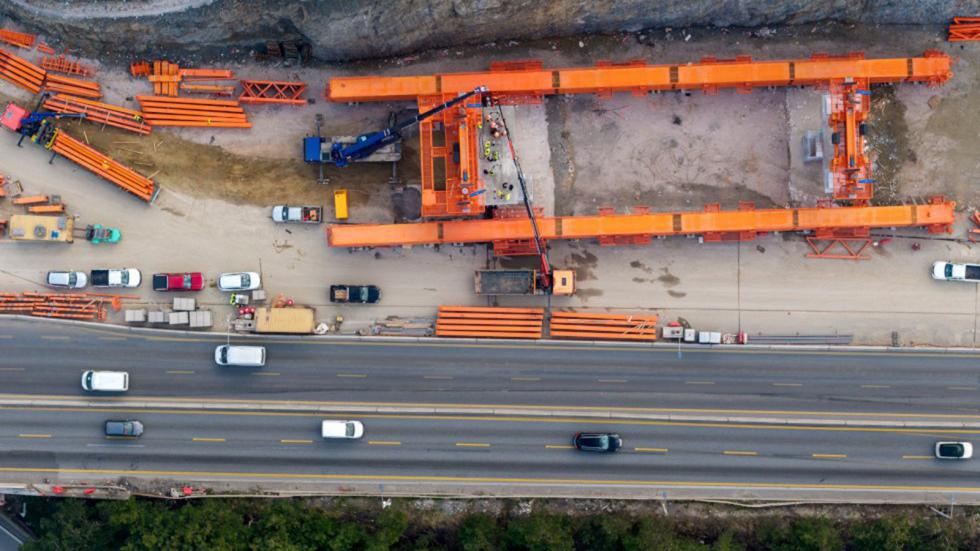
[342,154]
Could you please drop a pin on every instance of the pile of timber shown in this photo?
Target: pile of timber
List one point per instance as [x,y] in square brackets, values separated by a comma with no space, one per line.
[167,111]
[98,112]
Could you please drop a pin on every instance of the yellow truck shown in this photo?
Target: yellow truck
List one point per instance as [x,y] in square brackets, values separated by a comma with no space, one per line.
[31,227]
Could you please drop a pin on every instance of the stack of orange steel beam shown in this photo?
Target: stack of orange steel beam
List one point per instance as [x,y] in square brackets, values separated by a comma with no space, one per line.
[964,29]
[164,111]
[271,91]
[21,72]
[45,49]
[206,74]
[474,321]
[73,86]
[80,306]
[124,177]
[62,64]
[21,40]
[98,112]
[164,76]
[625,327]
[213,89]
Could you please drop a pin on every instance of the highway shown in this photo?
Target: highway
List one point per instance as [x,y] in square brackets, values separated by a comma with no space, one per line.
[51,429]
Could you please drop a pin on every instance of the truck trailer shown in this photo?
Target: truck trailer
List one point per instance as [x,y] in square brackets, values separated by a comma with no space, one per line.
[522,282]
[293,320]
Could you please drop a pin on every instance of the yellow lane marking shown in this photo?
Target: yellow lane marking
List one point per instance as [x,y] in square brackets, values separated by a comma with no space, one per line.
[384,443]
[611,380]
[472,444]
[699,382]
[487,480]
[961,387]
[957,417]
[507,418]
[112,338]
[180,372]
[296,441]
[438,377]
[829,456]
[33,436]
[737,452]
[208,439]
[266,373]
[559,446]
[917,457]
[876,386]
[787,384]
[651,450]
[11,369]
[525,378]
[352,375]
[56,337]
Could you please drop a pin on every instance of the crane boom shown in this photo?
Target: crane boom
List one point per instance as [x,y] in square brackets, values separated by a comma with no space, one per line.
[366,144]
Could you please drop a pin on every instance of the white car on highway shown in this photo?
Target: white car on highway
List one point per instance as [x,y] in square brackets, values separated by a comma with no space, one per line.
[345,430]
[239,281]
[68,280]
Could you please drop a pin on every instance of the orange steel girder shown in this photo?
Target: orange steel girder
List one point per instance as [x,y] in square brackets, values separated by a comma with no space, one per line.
[964,29]
[825,222]
[452,133]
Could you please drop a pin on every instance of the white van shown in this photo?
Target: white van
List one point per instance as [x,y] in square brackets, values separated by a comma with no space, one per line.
[105,381]
[245,356]
[348,430]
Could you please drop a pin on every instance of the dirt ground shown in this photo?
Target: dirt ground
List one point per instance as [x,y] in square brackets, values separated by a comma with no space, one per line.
[668,151]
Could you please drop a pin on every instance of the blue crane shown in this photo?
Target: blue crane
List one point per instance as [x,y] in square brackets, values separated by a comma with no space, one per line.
[343,154]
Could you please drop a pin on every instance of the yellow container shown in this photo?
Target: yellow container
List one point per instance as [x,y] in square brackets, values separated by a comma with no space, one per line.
[340,204]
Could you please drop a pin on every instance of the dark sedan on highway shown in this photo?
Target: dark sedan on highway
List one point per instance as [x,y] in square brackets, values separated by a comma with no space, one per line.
[597,442]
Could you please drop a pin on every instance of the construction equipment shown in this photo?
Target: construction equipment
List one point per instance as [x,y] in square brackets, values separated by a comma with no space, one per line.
[448,150]
[97,233]
[28,123]
[364,145]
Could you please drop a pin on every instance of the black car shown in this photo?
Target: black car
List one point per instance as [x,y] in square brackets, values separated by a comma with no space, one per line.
[364,294]
[597,441]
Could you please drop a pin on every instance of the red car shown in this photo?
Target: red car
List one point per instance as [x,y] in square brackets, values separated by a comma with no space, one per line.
[189,281]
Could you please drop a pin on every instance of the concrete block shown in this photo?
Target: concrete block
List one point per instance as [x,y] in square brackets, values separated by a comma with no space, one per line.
[157,317]
[183,304]
[179,318]
[135,316]
[201,318]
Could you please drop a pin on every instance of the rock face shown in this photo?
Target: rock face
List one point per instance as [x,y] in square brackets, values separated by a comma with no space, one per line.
[351,29]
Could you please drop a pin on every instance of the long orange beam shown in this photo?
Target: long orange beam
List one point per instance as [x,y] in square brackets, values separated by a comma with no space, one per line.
[937,217]
[932,67]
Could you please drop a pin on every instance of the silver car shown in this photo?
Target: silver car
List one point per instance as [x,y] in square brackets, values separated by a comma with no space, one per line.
[239,281]
[123,428]
[67,280]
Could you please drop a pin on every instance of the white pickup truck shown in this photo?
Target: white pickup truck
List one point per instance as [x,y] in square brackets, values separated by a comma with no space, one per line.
[947,271]
[125,277]
[306,215]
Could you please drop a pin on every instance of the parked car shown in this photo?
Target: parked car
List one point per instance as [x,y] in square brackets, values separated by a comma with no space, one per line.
[239,281]
[948,271]
[123,428]
[364,294]
[68,280]
[350,430]
[954,450]
[124,277]
[597,441]
[187,281]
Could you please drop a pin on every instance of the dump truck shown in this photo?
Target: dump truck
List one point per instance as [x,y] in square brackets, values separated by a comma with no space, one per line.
[522,282]
[30,227]
[305,215]
[293,320]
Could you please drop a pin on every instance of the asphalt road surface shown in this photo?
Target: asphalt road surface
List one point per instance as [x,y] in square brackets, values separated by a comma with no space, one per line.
[504,451]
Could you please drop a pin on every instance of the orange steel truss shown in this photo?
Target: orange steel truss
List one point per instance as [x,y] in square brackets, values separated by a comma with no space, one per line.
[448,150]
[640,228]
[62,64]
[850,168]
[964,29]
[271,91]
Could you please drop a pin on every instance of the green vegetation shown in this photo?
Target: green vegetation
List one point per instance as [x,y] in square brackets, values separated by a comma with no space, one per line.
[292,524]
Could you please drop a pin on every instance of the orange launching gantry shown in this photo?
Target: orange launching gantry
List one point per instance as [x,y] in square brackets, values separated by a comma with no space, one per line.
[448,142]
